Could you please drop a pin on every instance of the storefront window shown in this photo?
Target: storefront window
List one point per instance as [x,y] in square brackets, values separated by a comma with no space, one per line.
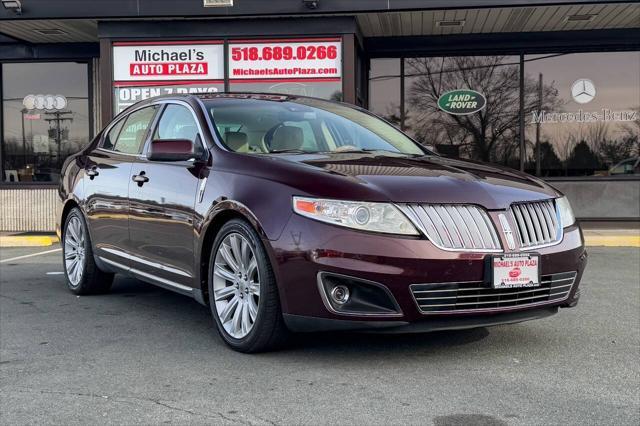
[465,107]
[581,110]
[45,118]
[589,124]
[384,89]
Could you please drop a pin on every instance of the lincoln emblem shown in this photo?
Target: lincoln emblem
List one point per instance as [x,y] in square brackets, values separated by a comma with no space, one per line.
[506,229]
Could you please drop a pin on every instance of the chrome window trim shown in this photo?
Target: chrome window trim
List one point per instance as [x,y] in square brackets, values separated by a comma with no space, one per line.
[127,113]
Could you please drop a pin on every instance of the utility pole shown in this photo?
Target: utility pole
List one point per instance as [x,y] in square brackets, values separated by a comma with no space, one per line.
[402,100]
[58,119]
[523,149]
[23,111]
[538,153]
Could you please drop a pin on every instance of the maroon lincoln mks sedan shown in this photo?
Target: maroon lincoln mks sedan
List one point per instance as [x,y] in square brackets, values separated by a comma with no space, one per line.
[286,213]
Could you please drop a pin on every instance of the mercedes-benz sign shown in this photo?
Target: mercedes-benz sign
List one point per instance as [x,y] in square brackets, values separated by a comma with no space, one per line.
[583,91]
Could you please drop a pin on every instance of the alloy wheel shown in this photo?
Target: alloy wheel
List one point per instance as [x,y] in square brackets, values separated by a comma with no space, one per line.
[74,251]
[236,285]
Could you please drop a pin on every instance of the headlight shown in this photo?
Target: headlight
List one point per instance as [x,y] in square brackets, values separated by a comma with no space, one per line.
[374,217]
[565,212]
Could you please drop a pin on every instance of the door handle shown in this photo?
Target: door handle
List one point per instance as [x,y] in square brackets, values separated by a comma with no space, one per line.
[92,172]
[140,179]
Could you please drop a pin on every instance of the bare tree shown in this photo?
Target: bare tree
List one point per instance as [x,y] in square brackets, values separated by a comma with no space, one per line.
[488,135]
[596,134]
[617,144]
[632,133]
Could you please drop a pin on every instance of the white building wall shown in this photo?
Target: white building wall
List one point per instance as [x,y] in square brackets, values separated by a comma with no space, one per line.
[28,209]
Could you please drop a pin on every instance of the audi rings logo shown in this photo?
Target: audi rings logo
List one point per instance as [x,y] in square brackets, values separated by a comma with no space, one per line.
[49,102]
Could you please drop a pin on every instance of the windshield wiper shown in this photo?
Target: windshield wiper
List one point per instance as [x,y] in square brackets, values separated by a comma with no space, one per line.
[288,151]
[365,150]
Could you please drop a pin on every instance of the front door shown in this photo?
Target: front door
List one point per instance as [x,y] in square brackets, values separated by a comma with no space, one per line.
[106,184]
[161,221]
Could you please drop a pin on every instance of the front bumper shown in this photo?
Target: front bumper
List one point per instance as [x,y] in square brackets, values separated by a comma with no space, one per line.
[299,323]
[307,248]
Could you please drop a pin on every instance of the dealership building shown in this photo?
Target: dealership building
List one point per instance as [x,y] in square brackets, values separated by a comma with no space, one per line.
[545,86]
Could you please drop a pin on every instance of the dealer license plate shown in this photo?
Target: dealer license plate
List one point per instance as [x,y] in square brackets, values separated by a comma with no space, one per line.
[516,270]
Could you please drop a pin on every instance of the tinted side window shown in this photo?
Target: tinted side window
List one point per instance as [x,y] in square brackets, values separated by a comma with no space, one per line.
[110,139]
[131,137]
[177,122]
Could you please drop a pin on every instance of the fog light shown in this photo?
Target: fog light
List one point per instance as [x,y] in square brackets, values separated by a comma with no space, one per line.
[340,294]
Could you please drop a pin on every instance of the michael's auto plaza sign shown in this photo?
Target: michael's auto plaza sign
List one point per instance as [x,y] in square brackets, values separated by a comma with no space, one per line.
[146,69]
[149,62]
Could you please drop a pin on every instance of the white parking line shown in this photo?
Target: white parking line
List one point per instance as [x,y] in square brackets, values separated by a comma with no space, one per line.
[55,273]
[29,255]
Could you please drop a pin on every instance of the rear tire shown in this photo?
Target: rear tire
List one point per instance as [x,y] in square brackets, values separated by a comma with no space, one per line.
[82,273]
[243,294]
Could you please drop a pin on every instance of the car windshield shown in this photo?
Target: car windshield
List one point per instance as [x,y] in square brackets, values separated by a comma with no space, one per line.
[304,125]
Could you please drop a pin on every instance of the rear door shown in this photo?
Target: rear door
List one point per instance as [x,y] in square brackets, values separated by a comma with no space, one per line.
[162,209]
[106,184]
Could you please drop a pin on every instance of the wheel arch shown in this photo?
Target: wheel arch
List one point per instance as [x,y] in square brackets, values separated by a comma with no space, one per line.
[69,205]
[66,208]
[222,213]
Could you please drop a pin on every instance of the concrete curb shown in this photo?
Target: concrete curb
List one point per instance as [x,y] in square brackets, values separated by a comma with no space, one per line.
[612,240]
[27,240]
[593,240]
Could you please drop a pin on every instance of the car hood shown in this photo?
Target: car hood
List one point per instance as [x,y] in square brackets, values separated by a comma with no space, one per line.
[428,179]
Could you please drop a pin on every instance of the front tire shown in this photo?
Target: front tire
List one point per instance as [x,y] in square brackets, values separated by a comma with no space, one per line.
[82,273]
[242,291]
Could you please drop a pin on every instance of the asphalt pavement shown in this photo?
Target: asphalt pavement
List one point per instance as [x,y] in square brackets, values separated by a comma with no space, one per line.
[143,355]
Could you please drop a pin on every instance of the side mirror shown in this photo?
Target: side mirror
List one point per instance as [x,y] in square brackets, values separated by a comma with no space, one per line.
[171,150]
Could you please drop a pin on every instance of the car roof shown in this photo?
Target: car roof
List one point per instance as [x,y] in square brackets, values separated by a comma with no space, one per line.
[276,97]
[229,95]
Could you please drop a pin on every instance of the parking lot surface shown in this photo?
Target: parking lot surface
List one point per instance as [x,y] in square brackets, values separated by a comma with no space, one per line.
[145,355]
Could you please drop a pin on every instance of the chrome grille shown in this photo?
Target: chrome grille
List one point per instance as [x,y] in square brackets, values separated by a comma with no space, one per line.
[477,297]
[537,223]
[454,227]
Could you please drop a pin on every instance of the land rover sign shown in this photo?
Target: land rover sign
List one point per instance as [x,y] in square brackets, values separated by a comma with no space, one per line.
[462,102]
